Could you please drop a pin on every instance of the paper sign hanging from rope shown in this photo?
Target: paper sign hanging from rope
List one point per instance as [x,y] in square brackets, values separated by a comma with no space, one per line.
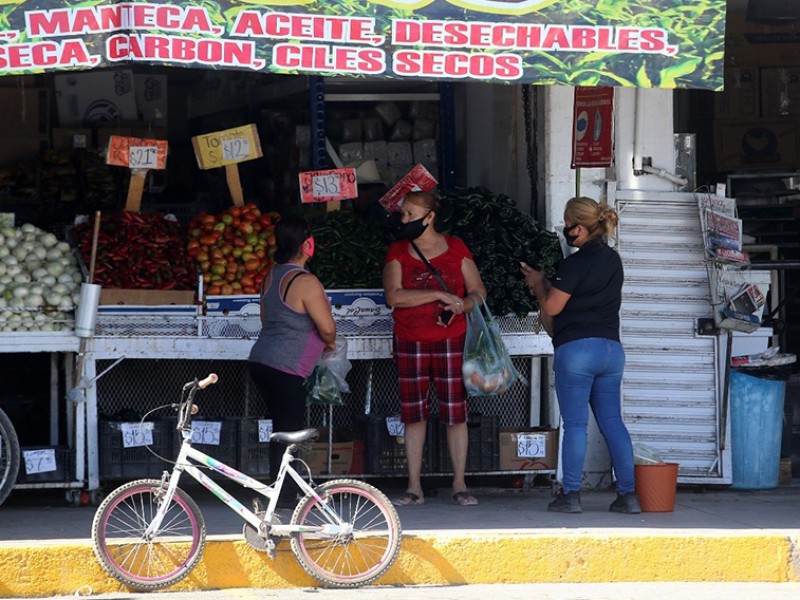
[329,185]
[139,155]
[227,149]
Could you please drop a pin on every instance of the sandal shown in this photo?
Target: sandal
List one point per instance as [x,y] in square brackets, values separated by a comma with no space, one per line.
[465,499]
[408,499]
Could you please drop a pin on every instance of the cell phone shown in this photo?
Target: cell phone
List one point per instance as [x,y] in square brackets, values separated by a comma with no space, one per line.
[446,317]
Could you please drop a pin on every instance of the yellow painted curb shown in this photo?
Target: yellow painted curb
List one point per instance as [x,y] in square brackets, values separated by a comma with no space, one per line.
[582,556]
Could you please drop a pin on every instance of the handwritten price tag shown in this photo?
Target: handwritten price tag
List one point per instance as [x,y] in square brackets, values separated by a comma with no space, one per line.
[531,445]
[395,426]
[328,185]
[235,150]
[136,153]
[143,157]
[264,429]
[136,434]
[39,461]
[206,432]
[227,147]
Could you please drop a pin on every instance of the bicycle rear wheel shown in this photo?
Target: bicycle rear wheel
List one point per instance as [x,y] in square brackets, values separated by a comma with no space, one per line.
[147,563]
[354,558]
[9,456]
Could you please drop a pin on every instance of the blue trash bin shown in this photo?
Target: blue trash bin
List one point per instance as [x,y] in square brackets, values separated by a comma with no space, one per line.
[756,401]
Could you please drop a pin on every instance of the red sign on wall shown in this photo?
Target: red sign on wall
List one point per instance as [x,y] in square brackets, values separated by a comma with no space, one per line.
[593,127]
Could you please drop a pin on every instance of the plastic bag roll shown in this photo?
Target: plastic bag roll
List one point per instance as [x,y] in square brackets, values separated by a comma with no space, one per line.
[86,315]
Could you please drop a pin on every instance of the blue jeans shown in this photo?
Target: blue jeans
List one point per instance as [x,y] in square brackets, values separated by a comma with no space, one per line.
[588,372]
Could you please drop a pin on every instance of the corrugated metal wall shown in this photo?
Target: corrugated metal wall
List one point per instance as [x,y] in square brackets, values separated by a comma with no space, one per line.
[670,388]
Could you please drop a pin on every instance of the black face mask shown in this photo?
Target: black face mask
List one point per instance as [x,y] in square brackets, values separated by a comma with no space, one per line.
[568,234]
[413,229]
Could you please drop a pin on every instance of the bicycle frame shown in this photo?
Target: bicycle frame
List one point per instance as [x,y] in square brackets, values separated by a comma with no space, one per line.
[271,492]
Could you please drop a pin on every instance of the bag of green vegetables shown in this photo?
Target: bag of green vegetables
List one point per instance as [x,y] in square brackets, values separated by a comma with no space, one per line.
[487,368]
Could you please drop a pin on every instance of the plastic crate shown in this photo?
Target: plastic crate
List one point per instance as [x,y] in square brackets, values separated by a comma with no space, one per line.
[227,450]
[135,462]
[483,450]
[386,453]
[253,454]
[64,463]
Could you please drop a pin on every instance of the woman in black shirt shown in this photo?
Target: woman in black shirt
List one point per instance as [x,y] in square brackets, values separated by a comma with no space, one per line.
[584,300]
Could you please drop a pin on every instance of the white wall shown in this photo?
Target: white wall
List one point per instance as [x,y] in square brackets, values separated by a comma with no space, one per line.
[648,133]
[494,135]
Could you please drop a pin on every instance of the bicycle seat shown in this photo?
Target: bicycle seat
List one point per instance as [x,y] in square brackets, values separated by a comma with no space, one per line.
[294,437]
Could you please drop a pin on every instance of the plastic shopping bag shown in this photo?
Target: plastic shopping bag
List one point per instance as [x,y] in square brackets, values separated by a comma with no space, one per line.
[328,380]
[487,368]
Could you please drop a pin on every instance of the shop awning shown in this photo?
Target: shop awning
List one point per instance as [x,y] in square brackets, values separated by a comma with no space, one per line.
[630,43]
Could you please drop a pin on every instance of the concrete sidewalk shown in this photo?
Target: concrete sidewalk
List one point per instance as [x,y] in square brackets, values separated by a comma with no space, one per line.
[714,534]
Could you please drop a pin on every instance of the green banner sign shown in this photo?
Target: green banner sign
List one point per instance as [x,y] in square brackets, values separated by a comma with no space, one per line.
[631,43]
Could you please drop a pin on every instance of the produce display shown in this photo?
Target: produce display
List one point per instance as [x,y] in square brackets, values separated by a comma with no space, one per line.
[233,249]
[39,280]
[499,235]
[138,251]
[350,250]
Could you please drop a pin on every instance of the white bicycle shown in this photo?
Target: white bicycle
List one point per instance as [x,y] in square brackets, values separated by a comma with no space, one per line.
[149,534]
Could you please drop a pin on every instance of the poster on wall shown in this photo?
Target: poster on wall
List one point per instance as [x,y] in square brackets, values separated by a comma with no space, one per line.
[593,127]
[629,43]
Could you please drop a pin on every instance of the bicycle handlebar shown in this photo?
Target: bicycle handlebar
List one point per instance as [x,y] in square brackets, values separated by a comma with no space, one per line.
[204,383]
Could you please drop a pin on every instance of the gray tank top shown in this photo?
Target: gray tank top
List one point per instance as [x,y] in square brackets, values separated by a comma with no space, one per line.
[289,340]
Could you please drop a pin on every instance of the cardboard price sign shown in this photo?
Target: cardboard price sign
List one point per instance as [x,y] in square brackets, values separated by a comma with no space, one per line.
[227,149]
[139,155]
[136,153]
[329,185]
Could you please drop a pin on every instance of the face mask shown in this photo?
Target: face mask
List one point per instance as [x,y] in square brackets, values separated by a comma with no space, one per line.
[310,251]
[413,229]
[568,234]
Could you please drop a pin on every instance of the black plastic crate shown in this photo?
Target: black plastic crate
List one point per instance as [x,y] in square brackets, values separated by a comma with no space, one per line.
[253,453]
[33,460]
[224,447]
[135,462]
[483,450]
[386,453]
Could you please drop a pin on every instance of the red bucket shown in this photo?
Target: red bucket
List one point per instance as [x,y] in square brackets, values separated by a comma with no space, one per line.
[656,486]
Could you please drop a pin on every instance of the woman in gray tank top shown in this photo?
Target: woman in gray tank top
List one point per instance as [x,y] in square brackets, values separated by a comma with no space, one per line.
[296,327]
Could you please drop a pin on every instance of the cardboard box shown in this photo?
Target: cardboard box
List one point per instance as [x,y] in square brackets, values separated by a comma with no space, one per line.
[528,449]
[85,99]
[236,305]
[147,297]
[740,98]
[341,458]
[780,92]
[417,179]
[68,138]
[756,144]
[25,112]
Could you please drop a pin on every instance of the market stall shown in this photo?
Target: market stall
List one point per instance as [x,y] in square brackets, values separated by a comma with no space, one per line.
[521,42]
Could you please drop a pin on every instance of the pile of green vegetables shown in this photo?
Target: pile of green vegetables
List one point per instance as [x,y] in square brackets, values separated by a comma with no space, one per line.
[499,235]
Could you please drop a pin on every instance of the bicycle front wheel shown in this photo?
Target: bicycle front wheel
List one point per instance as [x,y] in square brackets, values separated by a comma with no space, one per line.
[360,552]
[9,456]
[146,562]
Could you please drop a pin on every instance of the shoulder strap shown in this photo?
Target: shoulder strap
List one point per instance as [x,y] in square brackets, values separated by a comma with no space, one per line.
[430,267]
[291,281]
